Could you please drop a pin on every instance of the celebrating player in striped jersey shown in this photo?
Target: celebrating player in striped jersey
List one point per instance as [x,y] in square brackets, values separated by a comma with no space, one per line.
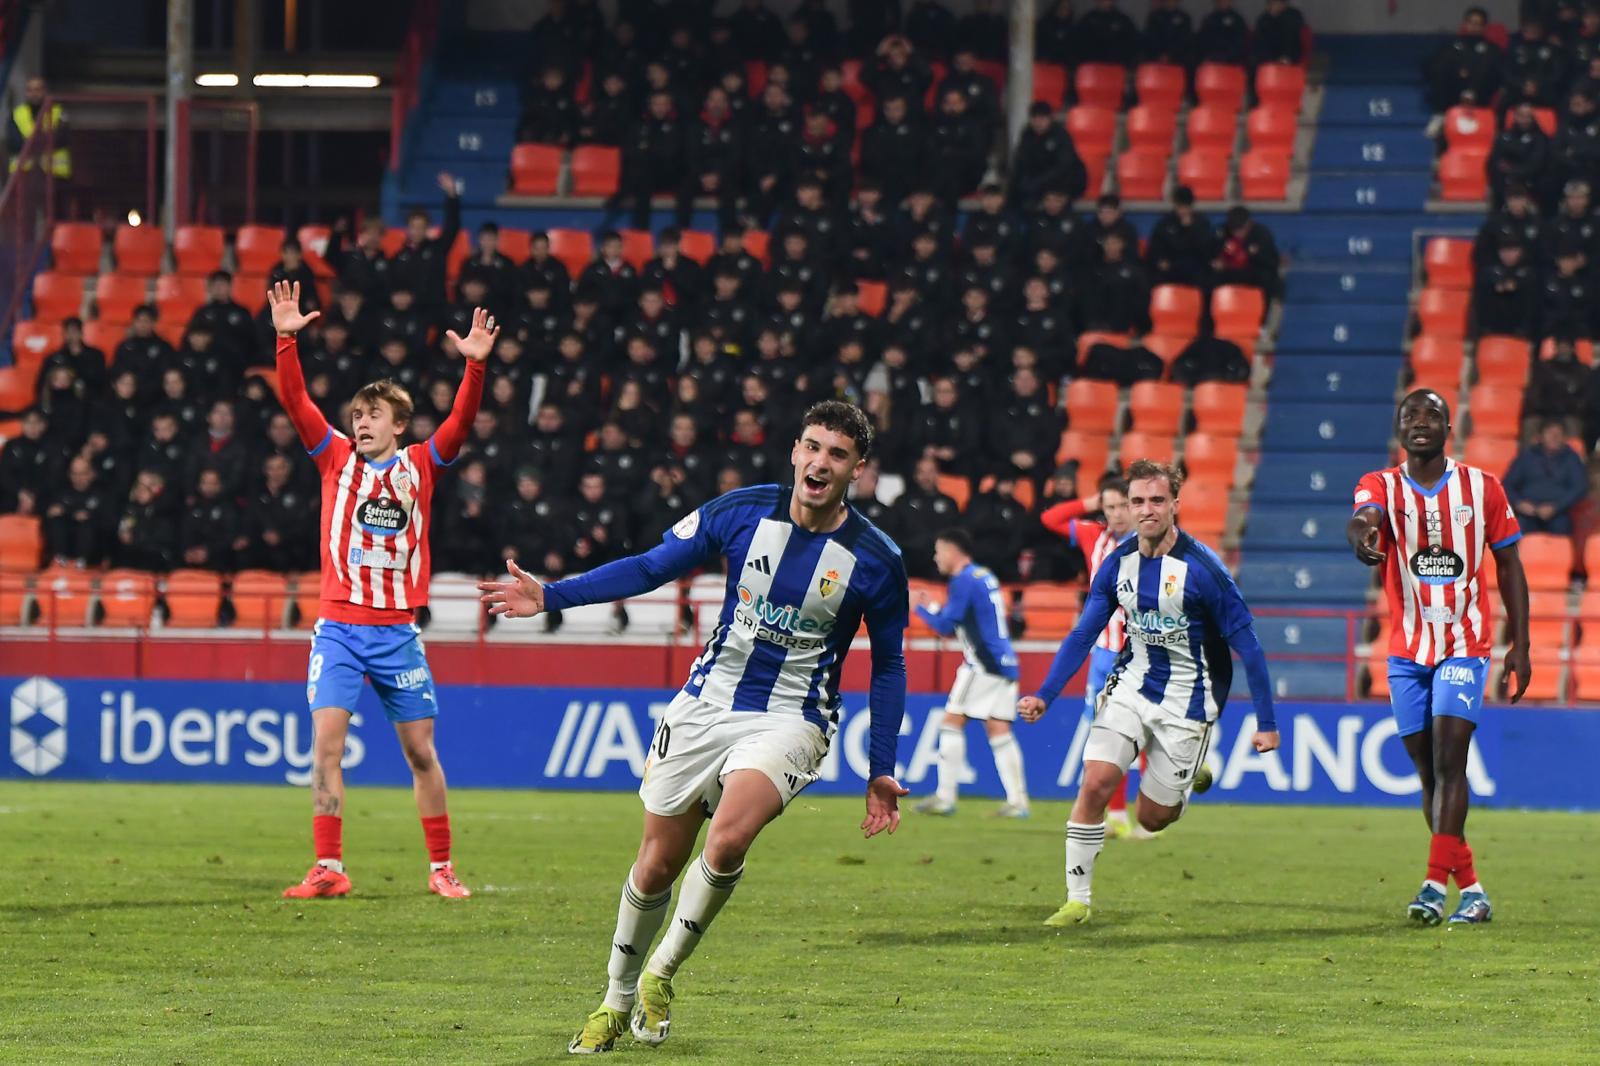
[376,500]
[1170,682]
[1432,523]
[986,683]
[1097,541]
[753,722]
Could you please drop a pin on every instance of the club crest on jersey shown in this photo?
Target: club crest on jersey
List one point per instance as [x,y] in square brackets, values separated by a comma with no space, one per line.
[403,488]
[1169,586]
[1436,565]
[828,583]
[1463,516]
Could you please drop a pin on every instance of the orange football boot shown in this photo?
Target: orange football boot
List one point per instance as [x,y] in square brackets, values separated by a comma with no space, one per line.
[320,881]
[443,882]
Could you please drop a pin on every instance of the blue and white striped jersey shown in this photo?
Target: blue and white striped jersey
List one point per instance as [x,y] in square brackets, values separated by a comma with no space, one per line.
[795,601]
[976,614]
[1184,613]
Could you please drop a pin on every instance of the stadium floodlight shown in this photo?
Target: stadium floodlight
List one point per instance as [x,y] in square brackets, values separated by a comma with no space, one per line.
[316,81]
[217,81]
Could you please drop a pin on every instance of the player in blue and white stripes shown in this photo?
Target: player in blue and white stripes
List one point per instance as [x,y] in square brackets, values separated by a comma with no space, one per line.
[752,725]
[1184,614]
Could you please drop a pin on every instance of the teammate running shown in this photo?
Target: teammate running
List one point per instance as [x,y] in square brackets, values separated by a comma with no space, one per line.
[986,683]
[1183,614]
[1427,522]
[376,499]
[1098,540]
[753,722]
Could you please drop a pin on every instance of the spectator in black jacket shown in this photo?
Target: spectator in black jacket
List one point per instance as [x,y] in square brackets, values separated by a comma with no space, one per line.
[1520,152]
[609,114]
[714,150]
[1566,299]
[895,150]
[1025,431]
[533,525]
[999,523]
[823,153]
[88,363]
[652,160]
[931,28]
[1279,34]
[363,268]
[210,526]
[1107,35]
[1179,252]
[29,466]
[1245,253]
[1465,69]
[959,148]
[898,71]
[147,534]
[1055,36]
[757,32]
[1223,37]
[950,432]
[293,269]
[1575,152]
[769,154]
[143,352]
[1117,298]
[1044,158]
[1536,65]
[919,513]
[77,522]
[1168,34]
[549,110]
[1558,388]
[419,265]
[1505,297]
[229,323]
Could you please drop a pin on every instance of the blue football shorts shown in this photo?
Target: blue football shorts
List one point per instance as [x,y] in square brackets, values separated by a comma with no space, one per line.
[1418,694]
[342,653]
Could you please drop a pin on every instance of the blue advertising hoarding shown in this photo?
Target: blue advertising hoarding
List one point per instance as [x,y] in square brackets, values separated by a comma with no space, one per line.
[593,738]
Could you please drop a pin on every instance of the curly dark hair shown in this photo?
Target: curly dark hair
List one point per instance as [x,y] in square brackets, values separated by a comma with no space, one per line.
[844,418]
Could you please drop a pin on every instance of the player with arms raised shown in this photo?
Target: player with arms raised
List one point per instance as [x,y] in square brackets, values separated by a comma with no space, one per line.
[1432,523]
[751,726]
[376,499]
[1183,614]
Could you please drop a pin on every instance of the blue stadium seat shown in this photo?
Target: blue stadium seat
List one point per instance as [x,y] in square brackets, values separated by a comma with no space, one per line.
[1313,427]
[1368,194]
[1287,477]
[475,98]
[466,138]
[1302,635]
[1368,150]
[1347,328]
[1296,577]
[1296,680]
[1304,527]
[1396,106]
[1349,243]
[480,182]
[1335,379]
[1346,287]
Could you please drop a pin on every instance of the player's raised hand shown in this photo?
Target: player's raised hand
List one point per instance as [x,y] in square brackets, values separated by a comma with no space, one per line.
[883,805]
[1265,740]
[1516,664]
[479,341]
[284,299]
[1031,708]
[521,597]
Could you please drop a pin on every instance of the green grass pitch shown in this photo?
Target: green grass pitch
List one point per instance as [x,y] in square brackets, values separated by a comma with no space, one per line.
[141,924]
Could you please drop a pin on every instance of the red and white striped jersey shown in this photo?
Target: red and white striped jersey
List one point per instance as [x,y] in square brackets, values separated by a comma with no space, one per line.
[1436,541]
[1097,543]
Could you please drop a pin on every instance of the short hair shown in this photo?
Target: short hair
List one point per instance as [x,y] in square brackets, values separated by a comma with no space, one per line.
[957,538]
[1146,469]
[391,392]
[1478,11]
[1183,196]
[1414,393]
[1110,199]
[218,275]
[290,244]
[844,418]
[145,311]
[1113,483]
[490,227]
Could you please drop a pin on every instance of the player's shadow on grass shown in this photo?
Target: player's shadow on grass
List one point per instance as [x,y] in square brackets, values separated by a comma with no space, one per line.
[261,901]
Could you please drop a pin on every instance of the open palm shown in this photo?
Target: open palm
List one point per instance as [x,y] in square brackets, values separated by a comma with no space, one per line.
[284,299]
[521,597]
[479,341]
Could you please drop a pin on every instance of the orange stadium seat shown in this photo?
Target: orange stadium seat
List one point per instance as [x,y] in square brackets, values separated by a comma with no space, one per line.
[1585,682]
[56,296]
[1100,84]
[1495,411]
[126,598]
[1543,117]
[63,595]
[257,249]
[16,389]
[1221,84]
[1175,310]
[116,296]
[1236,310]
[314,246]
[1213,126]
[197,250]
[918,589]
[178,298]
[574,247]
[874,296]
[1443,312]
[1271,127]
[535,169]
[1502,361]
[1159,447]
[1493,454]
[1205,171]
[638,247]
[957,488]
[1204,507]
[1049,83]
[138,250]
[13,599]
[75,248]
[1089,339]
[1438,359]
[1448,263]
[259,598]
[1463,175]
[460,248]
[1219,408]
[1090,450]
[595,170]
[1547,560]
[1152,128]
[1091,405]
[1024,493]
[516,244]
[759,244]
[1264,175]
[1160,85]
[172,331]
[394,238]
[1206,455]
[1093,129]
[32,341]
[21,543]
[1142,174]
[1583,348]
[1280,85]
[193,598]
[1166,347]
[1469,127]
[697,245]
[1095,165]
[250,291]
[104,334]
[1156,407]
[1050,609]
[307,599]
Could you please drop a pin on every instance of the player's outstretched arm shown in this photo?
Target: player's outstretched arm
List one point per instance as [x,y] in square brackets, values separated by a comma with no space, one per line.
[1514,594]
[475,347]
[1075,649]
[284,301]
[1365,534]
[520,597]
[886,619]
[883,806]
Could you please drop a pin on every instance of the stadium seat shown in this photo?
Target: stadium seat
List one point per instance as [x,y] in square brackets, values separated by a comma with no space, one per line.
[1213,126]
[1100,85]
[1142,174]
[63,595]
[1493,454]
[259,598]
[535,169]
[1157,447]
[1049,84]
[1495,411]
[1089,449]
[307,599]
[32,341]
[1175,310]
[1264,175]
[1156,407]
[1280,85]
[16,389]
[457,254]
[1547,560]
[394,238]
[1160,85]
[1236,311]
[172,331]
[1584,683]
[1089,339]
[1443,312]
[193,598]
[1209,456]
[257,249]
[918,589]
[1438,359]
[56,296]
[1221,84]
[638,247]
[697,245]
[1469,127]
[1050,609]
[14,599]
[1205,171]
[21,543]
[1543,117]
[1166,347]
[126,598]
[138,250]
[1205,507]
[117,295]
[1093,129]
[874,296]
[956,487]
[1219,408]
[1091,406]
[75,248]
[1095,165]
[250,291]
[759,244]
[1502,361]
[178,297]
[1583,348]
[595,170]
[1463,175]
[1024,493]
[104,334]
[1152,128]
[574,247]
[516,244]
[197,250]
[1447,261]
[314,246]
[1271,127]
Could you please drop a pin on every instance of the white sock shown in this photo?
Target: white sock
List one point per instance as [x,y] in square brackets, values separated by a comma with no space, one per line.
[1008,761]
[1443,890]
[333,864]
[1084,841]
[435,867]
[1476,886]
[704,892]
[952,760]
[639,917]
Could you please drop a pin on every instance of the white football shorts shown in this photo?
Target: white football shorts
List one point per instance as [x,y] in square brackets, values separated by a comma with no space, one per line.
[1126,723]
[696,745]
[982,695]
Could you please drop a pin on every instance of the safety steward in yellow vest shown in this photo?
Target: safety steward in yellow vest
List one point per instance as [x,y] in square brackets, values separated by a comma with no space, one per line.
[25,119]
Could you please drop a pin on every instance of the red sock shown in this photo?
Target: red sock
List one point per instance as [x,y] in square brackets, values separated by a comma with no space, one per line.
[1466,876]
[436,831]
[1119,797]
[327,836]
[1441,857]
